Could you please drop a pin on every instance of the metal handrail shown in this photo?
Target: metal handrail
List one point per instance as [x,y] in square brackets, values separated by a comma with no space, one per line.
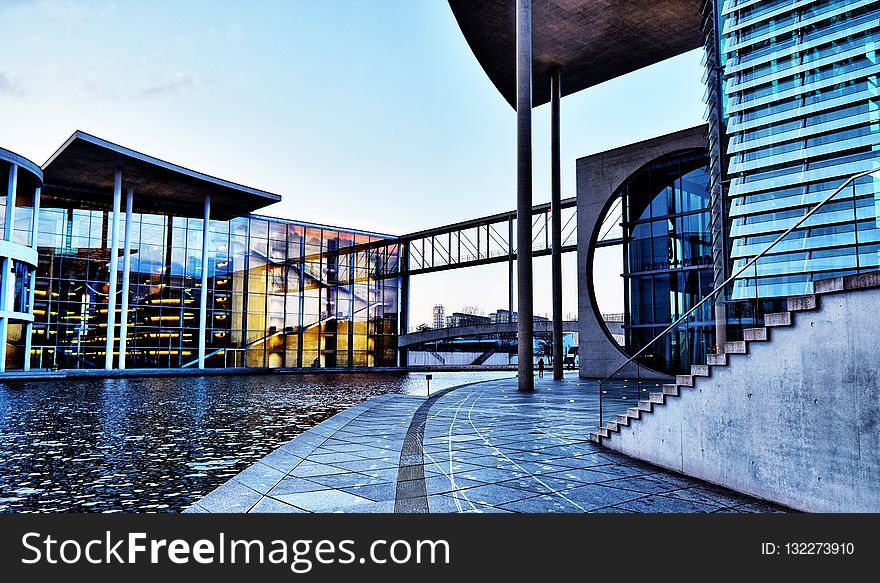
[751,262]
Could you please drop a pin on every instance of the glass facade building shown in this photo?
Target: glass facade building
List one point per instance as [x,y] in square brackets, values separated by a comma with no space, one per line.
[667,252]
[798,117]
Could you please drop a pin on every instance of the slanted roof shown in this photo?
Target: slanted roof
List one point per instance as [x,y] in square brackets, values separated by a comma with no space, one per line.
[590,41]
[85,167]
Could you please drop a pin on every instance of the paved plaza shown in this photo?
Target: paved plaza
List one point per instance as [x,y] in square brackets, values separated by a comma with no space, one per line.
[483,447]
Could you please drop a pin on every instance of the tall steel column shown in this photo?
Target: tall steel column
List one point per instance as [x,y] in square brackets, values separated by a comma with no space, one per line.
[203,303]
[403,325]
[126,278]
[7,283]
[29,327]
[556,220]
[114,266]
[525,318]
[510,270]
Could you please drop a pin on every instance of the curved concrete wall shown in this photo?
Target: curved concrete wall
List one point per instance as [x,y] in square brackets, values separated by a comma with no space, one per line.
[598,177]
[795,421]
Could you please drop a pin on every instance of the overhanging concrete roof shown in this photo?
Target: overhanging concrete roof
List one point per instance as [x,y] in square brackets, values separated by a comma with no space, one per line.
[590,41]
[85,167]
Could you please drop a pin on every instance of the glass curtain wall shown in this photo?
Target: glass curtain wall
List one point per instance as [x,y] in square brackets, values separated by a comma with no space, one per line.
[668,260]
[281,293]
[801,87]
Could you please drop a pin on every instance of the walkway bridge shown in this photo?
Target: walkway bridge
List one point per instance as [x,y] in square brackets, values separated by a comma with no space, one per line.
[440,334]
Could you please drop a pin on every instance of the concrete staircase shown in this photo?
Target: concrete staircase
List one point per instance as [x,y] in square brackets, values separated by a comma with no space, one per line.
[794,305]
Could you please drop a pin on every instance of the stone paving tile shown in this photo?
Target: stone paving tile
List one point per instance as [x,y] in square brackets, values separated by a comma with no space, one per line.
[370,508]
[322,500]
[545,503]
[378,492]
[582,476]
[534,484]
[593,496]
[344,480]
[295,485]
[710,495]
[491,476]
[268,505]
[495,494]
[230,497]
[664,504]
[443,484]
[445,504]
[310,469]
[260,477]
[758,506]
[652,484]
[282,460]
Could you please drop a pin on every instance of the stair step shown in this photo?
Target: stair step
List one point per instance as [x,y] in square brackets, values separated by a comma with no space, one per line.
[738,347]
[801,303]
[623,419]
[755,334]
[612,426]
[717,359]
[777,319]
[684,380]
[670,390]
[595,437]
[603,432]
[700,370]
[647,406]
[633,413]
[658,398]
[824,286]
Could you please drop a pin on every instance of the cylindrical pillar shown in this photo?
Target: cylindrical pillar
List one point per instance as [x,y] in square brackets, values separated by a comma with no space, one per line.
[126,278]
[510,270]
[525,309]
[203,303]
[403,325]
[29,327]
[7,282]
[556,221]
[114,266]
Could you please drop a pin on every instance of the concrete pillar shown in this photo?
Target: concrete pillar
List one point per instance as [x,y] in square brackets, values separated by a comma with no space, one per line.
[525,308]
[8,281]
[556,220]
[29,327]
[203,297]
[114,265]
[126,279]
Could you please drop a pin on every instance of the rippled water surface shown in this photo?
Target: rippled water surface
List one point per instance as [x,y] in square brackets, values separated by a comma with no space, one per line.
[159,444]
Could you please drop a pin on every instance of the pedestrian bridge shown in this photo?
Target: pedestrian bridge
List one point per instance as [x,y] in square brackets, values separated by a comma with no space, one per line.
[439,334]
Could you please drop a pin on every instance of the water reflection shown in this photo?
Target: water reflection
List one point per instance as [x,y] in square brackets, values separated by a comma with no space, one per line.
[160,444]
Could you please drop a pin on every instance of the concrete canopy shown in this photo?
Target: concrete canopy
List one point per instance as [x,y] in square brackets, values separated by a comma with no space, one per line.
[590,41]
[84,167]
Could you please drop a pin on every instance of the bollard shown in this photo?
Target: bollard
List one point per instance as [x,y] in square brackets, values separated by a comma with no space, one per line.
[428,378]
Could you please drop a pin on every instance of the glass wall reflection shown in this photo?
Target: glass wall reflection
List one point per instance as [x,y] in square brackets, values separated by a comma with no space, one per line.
[280,293]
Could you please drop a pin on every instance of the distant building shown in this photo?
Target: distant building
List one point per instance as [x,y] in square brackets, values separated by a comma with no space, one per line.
[501,317]
[460,319]
[439,313]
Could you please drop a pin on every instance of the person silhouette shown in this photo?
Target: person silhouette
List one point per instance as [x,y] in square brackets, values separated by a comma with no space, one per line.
[541,368]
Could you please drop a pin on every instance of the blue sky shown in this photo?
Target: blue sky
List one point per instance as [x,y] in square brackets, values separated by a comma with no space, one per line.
[364,113]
